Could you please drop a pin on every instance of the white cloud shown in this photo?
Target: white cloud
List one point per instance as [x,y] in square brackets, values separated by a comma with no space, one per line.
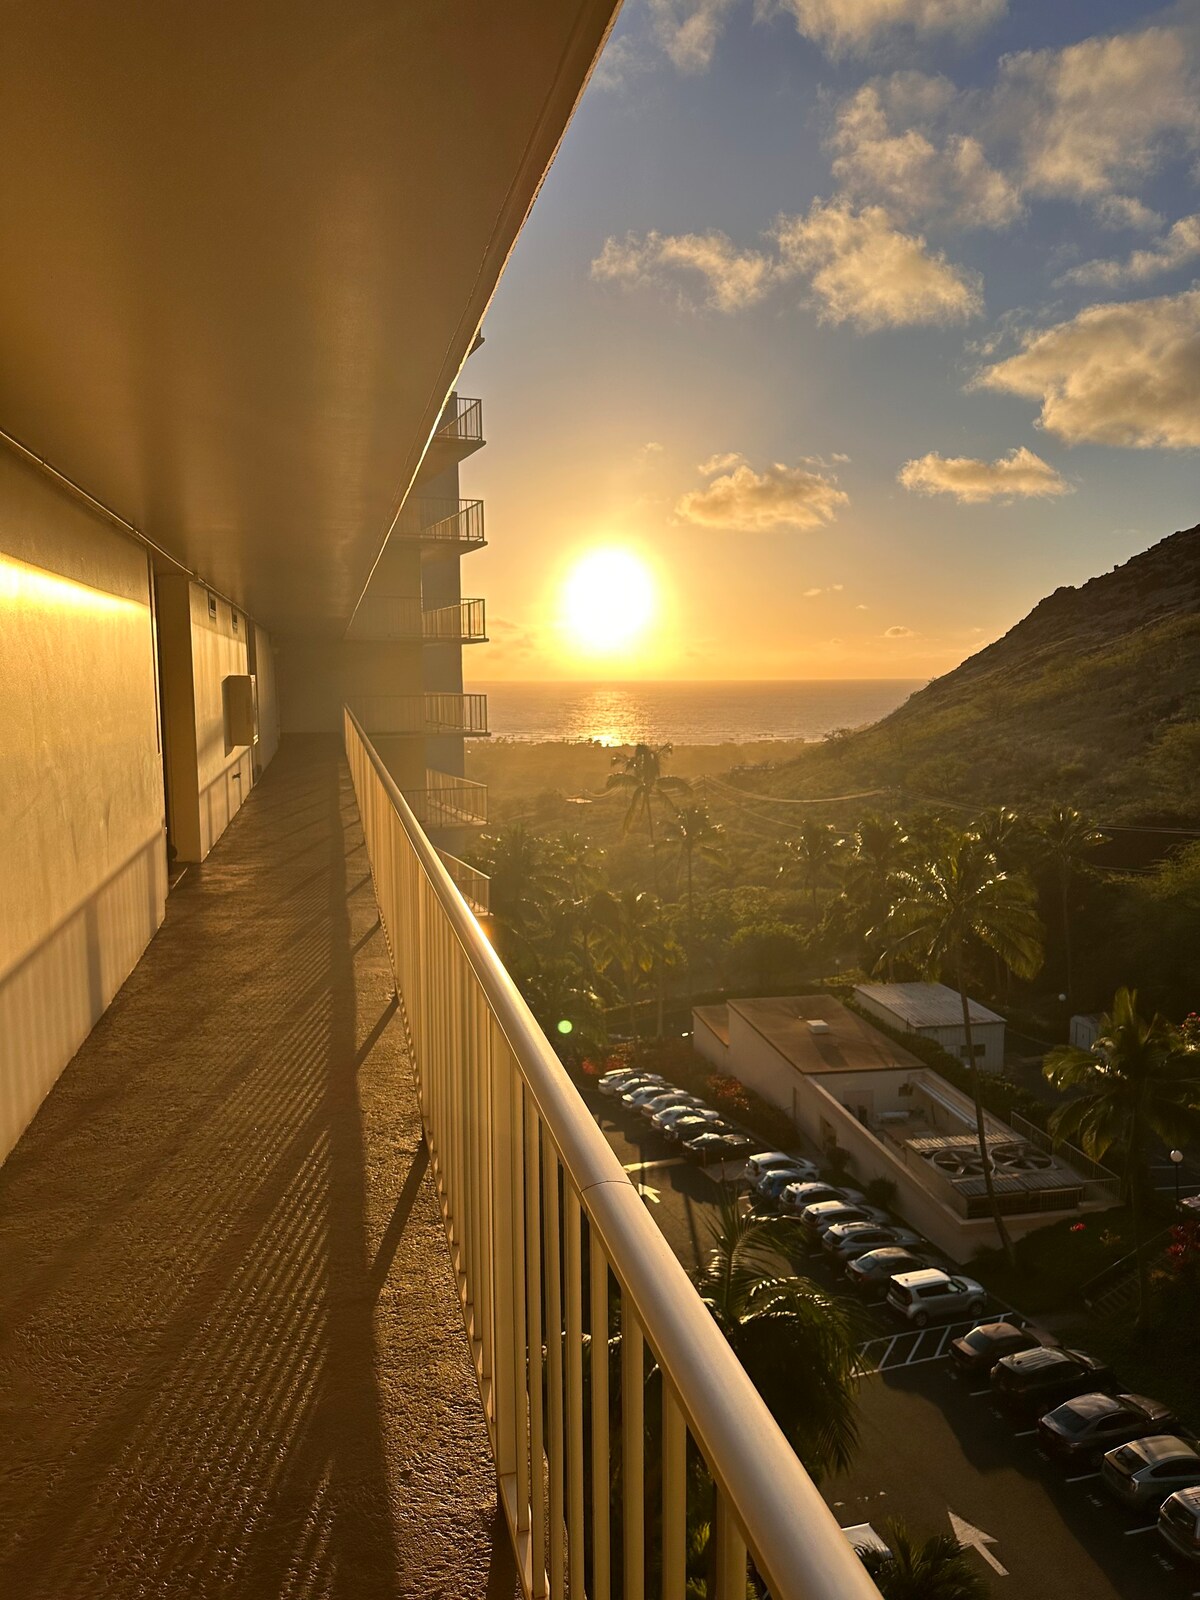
[731,278]
[1178,246]
[1098,116]
[830,588]
[1122,374]
[864,270]
[899,633]
[881,156]
[1126,211]
[745,501]
[720,463]
[970,481]
[843,26]
[621,61]
[688,30]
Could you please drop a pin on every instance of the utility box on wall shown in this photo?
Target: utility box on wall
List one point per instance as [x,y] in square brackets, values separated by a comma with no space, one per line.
[241,710]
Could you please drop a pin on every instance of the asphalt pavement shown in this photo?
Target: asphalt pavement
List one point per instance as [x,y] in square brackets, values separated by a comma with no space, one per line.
[935,1450]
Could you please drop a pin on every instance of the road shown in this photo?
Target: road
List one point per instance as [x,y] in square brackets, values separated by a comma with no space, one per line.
[935,1451]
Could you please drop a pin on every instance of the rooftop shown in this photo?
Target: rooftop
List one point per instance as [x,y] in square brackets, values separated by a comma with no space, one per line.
[817,1035]
[925,1005]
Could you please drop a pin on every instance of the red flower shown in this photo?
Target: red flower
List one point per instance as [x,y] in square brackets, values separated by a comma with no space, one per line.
[1078,1227]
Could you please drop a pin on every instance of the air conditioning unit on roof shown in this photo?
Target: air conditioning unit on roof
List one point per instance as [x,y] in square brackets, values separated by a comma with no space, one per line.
[817,1025]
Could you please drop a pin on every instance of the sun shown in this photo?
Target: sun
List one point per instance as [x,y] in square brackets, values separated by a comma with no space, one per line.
[609,599]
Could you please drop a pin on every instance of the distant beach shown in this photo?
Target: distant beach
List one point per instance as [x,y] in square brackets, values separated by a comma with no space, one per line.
[688,713]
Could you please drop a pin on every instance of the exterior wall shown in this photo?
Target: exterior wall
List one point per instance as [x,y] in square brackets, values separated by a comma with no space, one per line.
[82,848]
[262,665]
[316,680]
[954,1040]
[706,1043]
[207,779]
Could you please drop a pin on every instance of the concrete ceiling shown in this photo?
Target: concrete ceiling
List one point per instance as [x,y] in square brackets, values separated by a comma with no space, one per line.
[246,247]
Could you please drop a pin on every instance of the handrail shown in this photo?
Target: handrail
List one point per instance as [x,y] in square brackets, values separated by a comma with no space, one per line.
[398,616]
[435,711]
[438,521]
[448,801]
[526,1180]
[461,419]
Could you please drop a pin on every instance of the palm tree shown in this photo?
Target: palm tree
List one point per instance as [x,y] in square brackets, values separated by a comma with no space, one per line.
[879,848]
[1138,1081]
[694,833]
[643,779]
[810,855]
[526,884]
[1067,839]
[932,1569]
[946,912]
[797,1343]
[633,939]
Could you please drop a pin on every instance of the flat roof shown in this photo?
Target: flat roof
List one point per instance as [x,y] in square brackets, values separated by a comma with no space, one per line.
[715,1019]
[847,1043]
[925,1005]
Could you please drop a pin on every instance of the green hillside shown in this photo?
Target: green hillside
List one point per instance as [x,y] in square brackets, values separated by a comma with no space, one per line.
[1092,700]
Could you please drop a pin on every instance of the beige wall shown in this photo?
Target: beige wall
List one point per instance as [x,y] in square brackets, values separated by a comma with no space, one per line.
[82,854]
[316,680]
[207,780]
[263,667]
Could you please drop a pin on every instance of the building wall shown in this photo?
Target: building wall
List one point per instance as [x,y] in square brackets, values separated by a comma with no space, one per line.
[316,680]
[707,1044]
[262,664]
[954,1040]
[207,778]
[82,848]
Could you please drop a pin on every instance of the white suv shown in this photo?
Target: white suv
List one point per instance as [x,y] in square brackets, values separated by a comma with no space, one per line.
[918,1296]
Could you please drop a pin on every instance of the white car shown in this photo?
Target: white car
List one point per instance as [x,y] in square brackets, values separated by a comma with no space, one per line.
[666,1119]
[637,1096]
[760,1166]
[918,1296]
[816,1220]
[616,1083]
[667,1099]
[845,1241]
[794,1197]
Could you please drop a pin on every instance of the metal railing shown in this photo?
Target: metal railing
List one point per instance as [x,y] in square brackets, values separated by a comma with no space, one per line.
[395,616]
[550,1243]
[423,713]
[440,521]
[1103,1182]
[462,623]
[448,801]
[473,885]
[461,421]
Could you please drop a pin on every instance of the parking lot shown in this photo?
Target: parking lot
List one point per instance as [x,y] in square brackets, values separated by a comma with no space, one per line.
[936,1451]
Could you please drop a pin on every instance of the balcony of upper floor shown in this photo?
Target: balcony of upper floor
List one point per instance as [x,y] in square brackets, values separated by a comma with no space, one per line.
[402,617]
[432,712]
[459,434]
[448,801]
[442,525]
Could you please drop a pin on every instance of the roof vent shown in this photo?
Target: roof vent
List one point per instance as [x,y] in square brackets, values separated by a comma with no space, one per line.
[816,1025]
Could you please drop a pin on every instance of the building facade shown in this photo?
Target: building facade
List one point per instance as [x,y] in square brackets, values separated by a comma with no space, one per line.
[935,1012]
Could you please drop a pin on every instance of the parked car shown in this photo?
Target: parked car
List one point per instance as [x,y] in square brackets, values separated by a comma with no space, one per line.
[638,1096]
[615,1083]
[1082,1429]
[714,1146]
[1034,1381]
[1179,1522]
[977,1352]
[795,1197]
[871,1275]
[758,1167]
[668,1098]
[919,1296]
[1143,1472]
[816,1220]
[845,1240]
[694,1122]
[670,1115]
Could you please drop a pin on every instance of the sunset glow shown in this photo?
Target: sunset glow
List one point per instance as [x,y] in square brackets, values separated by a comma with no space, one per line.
[609,600]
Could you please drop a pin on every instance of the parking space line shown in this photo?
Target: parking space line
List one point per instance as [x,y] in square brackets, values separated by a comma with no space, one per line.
[973,1394]
[1027,1434]
[1149,1528]
[1084,1477]
[942,1343]
[912,1353]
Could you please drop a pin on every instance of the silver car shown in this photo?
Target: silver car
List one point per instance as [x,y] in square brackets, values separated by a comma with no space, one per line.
[1143,1473]
[1179,1522]
[845,1240]
[918,1296]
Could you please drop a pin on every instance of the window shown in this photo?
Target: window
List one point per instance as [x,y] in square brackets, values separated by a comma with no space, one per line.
[212,606]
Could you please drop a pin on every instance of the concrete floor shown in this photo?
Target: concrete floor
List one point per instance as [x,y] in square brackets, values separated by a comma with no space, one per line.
[231,1356]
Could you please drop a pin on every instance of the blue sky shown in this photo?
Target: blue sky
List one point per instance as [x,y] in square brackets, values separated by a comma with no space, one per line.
[863,323]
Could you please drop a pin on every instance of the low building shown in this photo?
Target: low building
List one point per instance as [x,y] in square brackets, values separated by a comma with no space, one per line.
[935,1012]
[1085,1029]
[846,1084]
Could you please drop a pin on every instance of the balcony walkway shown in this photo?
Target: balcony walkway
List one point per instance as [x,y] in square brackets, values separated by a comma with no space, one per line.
[231,1355]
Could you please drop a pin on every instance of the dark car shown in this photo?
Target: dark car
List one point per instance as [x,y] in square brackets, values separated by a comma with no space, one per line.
[1084,1428]
[708,1146]
[1035,1381]
[977,1352]
[871,1274]
[703,1122]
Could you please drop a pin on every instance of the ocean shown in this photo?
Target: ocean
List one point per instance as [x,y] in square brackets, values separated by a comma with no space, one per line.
[688,713]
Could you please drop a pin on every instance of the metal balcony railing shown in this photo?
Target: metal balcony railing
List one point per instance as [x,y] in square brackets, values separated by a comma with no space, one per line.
[390,616]
[461,421]
[448,801]
[546,1231]
[472,884]
[442,521]
[423,713]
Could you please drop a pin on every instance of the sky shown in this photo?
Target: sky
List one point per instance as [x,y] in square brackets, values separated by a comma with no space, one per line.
[854,326]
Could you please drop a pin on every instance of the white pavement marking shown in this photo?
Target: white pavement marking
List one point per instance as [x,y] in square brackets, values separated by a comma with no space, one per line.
[942,1341]
[973,1394]
[974,1538]
[1149,1528]
[912,1355]
[1028,1433]
[1084,1477]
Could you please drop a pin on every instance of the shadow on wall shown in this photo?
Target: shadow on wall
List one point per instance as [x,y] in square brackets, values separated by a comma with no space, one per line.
[56,994]
[193,1353]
